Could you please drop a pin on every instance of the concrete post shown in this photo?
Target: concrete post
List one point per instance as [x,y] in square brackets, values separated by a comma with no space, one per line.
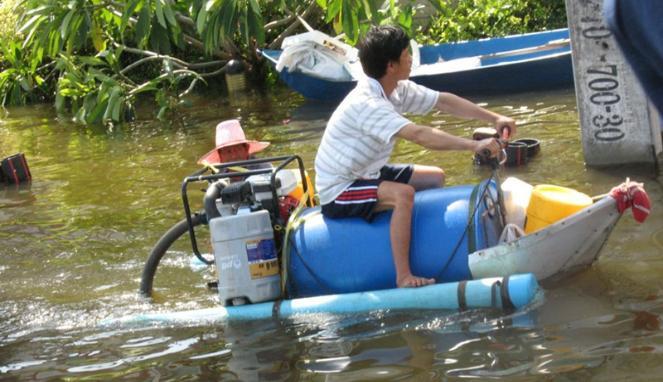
[617,124]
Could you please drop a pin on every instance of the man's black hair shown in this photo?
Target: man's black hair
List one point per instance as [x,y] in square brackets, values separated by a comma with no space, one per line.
[380,45]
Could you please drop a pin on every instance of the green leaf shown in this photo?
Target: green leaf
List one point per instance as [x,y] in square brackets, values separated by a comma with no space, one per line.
[117,107]
[98,37]
[24,83]
[212,33]
[29,24]
[367,9]
[202,18]
[176,35]
[143,25]
[90,60]
[162,113]
[228,17]
[159,12]
[128,12]
[76,24]
[108,113]
[170,15]
[59,103]
[54,45]
[405,19]
[333,9]
[64,28]
[95,114]
[256,29]
[373,10]
[42,9]
[254,6]
[32,32]
[245,25]
[349,21]
[80,37]
[159,39]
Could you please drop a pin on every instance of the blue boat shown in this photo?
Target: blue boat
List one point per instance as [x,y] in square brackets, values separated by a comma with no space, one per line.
[518,63]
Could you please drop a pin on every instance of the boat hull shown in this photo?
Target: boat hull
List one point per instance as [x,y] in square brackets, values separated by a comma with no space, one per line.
[533,71]
[555,251]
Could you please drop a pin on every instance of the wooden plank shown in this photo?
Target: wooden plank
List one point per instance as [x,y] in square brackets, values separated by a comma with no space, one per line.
[616,123]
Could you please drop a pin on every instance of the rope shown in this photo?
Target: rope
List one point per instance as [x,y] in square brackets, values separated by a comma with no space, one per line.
[462,237]
[312,273]
[294,222]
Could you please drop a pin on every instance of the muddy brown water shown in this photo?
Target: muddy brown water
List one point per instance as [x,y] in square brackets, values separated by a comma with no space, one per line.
[73,244]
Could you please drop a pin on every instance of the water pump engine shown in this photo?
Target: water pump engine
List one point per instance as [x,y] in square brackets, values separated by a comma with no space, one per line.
[244,248]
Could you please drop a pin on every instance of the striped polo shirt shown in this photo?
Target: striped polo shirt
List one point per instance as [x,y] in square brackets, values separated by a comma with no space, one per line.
[359,136]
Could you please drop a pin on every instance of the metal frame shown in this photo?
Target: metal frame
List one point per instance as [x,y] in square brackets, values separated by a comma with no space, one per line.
[199,177]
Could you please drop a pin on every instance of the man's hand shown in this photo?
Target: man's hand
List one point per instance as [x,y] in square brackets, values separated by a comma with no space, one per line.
[488,147]
[505,126]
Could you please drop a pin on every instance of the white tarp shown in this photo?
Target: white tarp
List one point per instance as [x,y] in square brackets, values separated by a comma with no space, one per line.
[317,54]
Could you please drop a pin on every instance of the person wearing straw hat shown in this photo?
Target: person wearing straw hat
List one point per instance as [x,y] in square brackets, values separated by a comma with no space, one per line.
[232,145]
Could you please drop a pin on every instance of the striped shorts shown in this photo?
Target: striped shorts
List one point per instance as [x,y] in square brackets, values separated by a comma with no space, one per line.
[360,198]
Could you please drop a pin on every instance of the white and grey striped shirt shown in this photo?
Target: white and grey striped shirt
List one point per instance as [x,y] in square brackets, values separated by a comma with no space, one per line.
[359,137]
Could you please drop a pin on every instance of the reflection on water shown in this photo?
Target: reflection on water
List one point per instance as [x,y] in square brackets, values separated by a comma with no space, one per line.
[73,244]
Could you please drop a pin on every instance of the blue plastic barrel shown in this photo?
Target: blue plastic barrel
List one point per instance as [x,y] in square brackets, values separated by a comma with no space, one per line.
[330,256]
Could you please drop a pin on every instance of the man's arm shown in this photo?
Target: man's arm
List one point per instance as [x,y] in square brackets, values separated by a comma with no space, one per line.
[460,107]
[439,140]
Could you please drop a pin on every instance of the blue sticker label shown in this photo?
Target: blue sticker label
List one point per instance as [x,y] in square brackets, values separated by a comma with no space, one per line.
[260,250]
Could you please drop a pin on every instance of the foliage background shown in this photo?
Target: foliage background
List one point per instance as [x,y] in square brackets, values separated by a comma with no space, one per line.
[473,19]
[95,59]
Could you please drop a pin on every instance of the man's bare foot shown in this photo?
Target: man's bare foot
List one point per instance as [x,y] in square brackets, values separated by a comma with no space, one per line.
[412,281]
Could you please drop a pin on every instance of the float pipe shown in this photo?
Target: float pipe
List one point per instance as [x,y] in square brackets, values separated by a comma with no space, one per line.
[482,293]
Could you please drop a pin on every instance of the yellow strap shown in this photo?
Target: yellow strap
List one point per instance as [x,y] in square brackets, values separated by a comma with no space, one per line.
[216,171]
[293,222]
[210,166]
[237,169]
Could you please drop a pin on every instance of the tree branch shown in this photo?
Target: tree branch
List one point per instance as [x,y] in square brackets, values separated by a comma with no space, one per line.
[183,72]
[310,11]
[277,23]
[152,56]
[198,45]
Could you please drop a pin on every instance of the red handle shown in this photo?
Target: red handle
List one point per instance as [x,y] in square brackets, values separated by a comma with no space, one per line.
[506,132]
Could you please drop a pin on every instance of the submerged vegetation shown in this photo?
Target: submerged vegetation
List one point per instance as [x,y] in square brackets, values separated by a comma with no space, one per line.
[95,58]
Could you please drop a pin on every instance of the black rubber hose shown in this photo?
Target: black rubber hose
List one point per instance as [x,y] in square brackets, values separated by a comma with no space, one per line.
[168,238]
[209,201]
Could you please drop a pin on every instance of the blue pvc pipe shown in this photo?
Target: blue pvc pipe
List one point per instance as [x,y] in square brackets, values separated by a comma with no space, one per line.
[481,293]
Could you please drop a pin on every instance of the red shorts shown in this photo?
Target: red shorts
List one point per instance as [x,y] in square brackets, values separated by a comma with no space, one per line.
[360,198]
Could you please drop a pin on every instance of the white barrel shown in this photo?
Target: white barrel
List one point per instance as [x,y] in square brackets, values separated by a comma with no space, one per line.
[516,199]
[246,257]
